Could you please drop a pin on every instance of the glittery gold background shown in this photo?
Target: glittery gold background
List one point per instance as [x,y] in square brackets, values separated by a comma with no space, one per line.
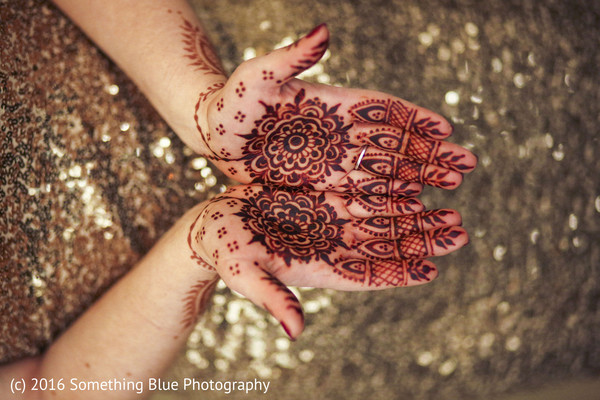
[513,312]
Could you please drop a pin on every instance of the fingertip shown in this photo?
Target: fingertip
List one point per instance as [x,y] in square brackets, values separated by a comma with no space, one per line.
[420,272]
[320,29]
[293,327]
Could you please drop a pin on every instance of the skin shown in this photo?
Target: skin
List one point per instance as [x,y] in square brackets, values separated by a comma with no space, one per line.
[357,239]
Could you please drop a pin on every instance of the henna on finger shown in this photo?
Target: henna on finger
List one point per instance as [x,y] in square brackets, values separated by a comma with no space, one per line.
[419,245]
[401,115]
[362,206]
[375,185]
[383,163]
[396,227]
[386,273]
[444,154]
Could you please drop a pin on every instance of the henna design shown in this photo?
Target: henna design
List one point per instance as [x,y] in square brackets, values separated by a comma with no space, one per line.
[293,225]
[293,303]
[415,147]
[202,98]
[395,113]
[383,204]
[396,227]
[296,144]
[240,117]
[385,164]
[195,256]
[403,168]
[196,300]
[310,59]
[222,232]
[199,50]
[235,269]
[412,246]
[378,186]
[220,129]
[220,104]
[240,89]
[384,273]
[233,246]
[267,75]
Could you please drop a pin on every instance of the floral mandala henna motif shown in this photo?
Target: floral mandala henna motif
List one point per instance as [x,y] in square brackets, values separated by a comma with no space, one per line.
[395,113]
[296,144]
[293,225]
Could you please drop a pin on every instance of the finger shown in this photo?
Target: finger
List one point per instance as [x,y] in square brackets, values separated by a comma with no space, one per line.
[419,245]
[399,226]
[444,154]
[393,165]
[371,275]
[379,108]
[363,206]
[283,64]
[365,183]
[267,292]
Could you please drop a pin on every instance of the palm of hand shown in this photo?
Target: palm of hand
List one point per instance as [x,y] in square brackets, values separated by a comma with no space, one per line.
[264,126]
[258,237]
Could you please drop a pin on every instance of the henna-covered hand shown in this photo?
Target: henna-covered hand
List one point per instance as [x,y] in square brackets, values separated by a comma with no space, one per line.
[265,126]
[261,238]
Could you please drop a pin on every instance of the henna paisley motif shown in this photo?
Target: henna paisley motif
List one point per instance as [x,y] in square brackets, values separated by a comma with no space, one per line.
[395,113]
[385,273]
[296,144]
[294,225]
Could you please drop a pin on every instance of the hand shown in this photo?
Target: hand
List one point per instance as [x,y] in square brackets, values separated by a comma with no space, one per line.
[265,126]
[260,239]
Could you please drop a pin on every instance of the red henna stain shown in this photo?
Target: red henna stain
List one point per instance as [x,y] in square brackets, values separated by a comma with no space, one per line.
[315,30]
[196,300]
[240,89]
[287,331]
[195,256]
[199,50]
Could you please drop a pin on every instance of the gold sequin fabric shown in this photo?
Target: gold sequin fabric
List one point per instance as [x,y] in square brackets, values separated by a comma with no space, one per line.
[90,176]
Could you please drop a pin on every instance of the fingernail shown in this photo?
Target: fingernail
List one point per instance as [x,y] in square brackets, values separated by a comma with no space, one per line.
[287,331]
[315,30]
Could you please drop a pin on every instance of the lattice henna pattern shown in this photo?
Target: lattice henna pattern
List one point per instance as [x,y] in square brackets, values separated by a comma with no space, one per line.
[385,273]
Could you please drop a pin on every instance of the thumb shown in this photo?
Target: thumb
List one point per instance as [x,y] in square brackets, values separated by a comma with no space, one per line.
[283,64]
[267,292]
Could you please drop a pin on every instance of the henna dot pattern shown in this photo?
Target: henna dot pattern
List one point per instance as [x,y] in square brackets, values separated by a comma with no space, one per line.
[296,144]
[267,75]
[294,225]
[240,89]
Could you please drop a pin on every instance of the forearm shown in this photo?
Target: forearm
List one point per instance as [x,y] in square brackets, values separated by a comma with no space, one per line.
[134,331]
[161,46]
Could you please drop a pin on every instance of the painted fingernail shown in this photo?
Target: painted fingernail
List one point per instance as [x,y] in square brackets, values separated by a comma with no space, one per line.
[311,33]
[287,331]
